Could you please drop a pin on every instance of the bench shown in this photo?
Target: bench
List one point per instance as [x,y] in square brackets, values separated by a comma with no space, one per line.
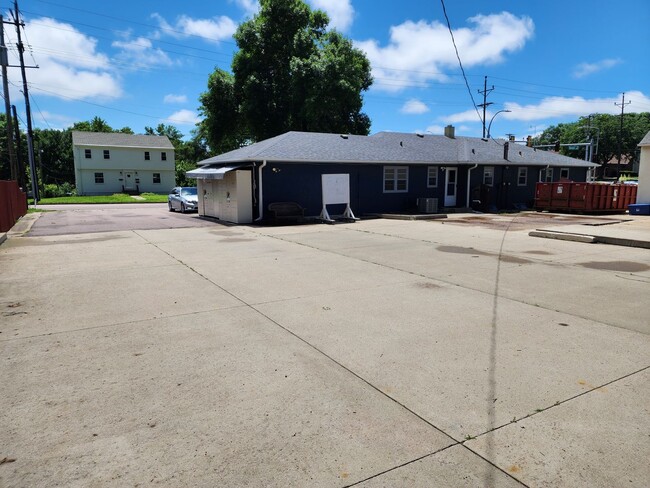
[290,211]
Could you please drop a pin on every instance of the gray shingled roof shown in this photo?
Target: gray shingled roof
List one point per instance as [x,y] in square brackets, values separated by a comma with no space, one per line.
[391,148]
[646,140]
[117,139]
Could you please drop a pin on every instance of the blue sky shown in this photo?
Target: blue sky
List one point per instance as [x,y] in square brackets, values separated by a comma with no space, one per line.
[139,64]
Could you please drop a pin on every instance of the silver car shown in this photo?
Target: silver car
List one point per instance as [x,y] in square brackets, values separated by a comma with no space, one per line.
[183,198]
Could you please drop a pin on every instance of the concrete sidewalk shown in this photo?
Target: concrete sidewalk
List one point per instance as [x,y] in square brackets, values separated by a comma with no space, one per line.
[376,354]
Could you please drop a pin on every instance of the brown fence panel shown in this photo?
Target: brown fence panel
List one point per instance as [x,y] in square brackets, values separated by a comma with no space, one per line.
[13,204]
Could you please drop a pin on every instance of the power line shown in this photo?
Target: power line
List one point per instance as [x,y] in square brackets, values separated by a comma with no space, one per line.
[460,63]
[205,38]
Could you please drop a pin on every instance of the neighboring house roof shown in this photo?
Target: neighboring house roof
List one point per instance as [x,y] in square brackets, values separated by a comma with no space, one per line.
[646,140]
[118,139]
[391,148]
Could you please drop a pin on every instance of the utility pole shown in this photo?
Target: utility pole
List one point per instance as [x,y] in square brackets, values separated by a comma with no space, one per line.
[620,135]
[28,110]
[4,60]
[485,103]
[22,176]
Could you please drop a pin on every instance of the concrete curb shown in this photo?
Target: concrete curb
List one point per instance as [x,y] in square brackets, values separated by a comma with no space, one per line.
[589,239]
[3,237]
[561,236]
[23,225]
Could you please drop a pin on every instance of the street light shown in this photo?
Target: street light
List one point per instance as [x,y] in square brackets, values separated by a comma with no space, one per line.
[490,124]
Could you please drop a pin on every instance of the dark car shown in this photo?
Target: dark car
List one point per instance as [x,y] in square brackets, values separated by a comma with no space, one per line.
[183,198]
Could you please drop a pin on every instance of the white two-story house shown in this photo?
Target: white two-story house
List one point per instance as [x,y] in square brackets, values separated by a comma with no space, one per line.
[107,163]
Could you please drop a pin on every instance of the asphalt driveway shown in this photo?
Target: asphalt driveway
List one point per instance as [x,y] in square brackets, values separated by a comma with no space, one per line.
[80,219]
[374,354]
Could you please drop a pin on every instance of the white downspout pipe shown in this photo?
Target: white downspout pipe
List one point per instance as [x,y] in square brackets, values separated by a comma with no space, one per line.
[469,174]
[260,198]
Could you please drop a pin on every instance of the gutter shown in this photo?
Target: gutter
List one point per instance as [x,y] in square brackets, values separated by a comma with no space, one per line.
[469,173]
[260,203]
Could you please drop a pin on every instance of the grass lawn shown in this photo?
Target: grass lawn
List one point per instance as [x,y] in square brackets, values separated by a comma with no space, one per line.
[115,198]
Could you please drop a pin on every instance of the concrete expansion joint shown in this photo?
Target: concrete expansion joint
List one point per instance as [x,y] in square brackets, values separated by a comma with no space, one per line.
[556,404]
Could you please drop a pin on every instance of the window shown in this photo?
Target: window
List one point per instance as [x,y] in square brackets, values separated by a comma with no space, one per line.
[522,176]
[546,175]
[99,178]
[396,179]
[107,154]
[156,177]
[432,177]
[163,156]
[564,173]
[147,156]
[488,175]
[88,153]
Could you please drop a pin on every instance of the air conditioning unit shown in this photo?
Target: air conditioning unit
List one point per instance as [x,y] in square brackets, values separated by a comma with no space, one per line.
[428,205]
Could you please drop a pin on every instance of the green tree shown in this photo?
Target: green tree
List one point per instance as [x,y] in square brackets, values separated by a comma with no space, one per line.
[606,129]
[290,73]
[53,154]
[98,124]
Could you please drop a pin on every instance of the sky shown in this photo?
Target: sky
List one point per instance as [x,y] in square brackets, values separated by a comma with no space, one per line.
[140,63]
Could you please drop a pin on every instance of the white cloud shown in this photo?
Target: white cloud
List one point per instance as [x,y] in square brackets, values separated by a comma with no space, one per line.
[184,117]
[419,52]
[70,65]
[340,12]
[558,107]
[466,116]
[250,7]
[586,69]
[215,29]
[171,98]
[140,52]
[414,107]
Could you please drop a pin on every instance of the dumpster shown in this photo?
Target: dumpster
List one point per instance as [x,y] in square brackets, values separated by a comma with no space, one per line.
[569,196]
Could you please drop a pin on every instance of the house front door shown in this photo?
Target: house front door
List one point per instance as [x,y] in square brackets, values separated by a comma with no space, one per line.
[451,180]
[129,180]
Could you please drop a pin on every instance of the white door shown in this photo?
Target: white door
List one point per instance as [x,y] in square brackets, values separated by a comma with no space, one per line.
[451,180]
[129,180]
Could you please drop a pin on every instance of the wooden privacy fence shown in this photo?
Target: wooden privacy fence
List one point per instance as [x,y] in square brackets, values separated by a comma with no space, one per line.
[13,204]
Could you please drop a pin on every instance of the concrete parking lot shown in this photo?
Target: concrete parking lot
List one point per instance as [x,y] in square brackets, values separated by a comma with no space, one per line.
[380,353]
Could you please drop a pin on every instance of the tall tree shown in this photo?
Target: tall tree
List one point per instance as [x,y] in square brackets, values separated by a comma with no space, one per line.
[290,73]
[606,128]
[54,157]
[98,124]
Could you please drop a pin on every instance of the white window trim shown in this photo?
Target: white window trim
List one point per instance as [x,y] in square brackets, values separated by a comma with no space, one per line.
[525,171]
[488,170]
[97,177]
[544,174]
[568,173]
[429,169]
[159,179]
[395,180]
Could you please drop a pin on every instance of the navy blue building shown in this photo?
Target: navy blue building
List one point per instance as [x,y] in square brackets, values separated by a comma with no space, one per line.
[389,171]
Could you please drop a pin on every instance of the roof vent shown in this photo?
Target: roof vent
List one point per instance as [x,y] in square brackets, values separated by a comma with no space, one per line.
[401,143]
[344,136]
[450,132]
[419,134]
[473,151]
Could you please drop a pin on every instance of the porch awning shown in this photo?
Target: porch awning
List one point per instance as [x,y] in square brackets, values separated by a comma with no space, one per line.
[209,172]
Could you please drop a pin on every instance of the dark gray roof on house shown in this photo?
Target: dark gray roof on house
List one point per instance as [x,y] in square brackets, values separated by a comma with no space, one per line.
[118,139]
[646,140]
[391,148]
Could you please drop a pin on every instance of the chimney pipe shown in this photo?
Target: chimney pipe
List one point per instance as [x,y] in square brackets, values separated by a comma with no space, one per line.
[450,132]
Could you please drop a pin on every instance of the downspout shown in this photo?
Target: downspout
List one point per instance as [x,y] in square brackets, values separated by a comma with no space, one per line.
[260,202]
[469,173]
